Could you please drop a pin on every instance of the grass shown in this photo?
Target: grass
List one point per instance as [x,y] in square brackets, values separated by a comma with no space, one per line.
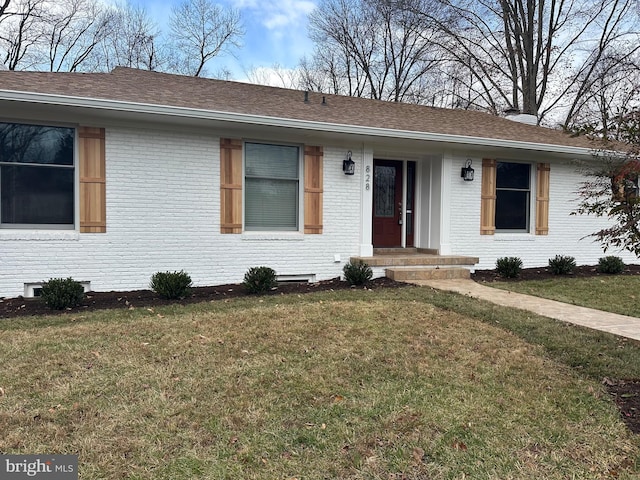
[408,383]
[615,293]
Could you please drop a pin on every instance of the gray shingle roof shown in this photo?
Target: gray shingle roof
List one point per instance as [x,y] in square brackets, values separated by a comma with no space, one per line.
[139,86]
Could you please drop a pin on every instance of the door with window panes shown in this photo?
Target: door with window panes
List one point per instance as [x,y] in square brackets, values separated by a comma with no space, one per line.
[388,205]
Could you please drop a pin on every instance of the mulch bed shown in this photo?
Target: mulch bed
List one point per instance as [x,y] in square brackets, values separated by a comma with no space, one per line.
[626,393]
[543,274]
[21,307]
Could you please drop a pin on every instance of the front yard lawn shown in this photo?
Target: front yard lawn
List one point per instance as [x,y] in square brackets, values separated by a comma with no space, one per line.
[353,384]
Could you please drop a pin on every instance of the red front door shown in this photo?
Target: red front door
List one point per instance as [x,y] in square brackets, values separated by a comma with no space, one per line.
[387,203]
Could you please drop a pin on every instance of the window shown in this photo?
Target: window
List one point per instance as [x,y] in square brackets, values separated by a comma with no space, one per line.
[513,196]
[36,176]
[272,194]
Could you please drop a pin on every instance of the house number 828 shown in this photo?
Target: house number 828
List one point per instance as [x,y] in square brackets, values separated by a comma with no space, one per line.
[367,177]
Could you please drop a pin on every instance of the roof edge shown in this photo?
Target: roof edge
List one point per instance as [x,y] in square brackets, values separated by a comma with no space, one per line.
[250,119]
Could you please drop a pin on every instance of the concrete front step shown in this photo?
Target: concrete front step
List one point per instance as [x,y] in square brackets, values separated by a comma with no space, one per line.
[417,259]
[408,274]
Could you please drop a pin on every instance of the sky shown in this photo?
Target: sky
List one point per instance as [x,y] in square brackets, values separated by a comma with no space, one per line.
[276,33]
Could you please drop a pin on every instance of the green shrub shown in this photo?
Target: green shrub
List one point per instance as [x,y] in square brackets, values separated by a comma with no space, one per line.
[562,265]
[508,267]
[610,264]
[260,279]
[357,272]
[61,293]
[171,285]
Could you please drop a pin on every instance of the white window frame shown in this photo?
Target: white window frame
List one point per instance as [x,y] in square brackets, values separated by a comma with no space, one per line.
[300,196]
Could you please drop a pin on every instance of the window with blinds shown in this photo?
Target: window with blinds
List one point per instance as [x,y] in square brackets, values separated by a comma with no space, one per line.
[272,187]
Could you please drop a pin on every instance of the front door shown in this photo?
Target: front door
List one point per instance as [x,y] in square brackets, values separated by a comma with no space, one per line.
[387,203]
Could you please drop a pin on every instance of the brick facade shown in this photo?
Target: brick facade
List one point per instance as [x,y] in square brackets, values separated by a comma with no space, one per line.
[163,213]
[566,231]
[163,205]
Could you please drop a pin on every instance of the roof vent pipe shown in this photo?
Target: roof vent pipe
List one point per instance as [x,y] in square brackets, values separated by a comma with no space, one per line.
[324,100]
[306,96]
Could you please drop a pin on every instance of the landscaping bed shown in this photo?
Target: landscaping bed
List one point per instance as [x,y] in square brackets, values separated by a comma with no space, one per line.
[20,306]
[542,273]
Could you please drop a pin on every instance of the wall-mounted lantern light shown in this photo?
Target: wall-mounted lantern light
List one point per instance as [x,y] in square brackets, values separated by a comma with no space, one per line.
[467,172]
[348,165]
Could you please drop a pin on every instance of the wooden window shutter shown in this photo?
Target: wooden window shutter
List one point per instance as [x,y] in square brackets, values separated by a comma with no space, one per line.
[313,189]
[93,193]
[230,185]
[488,198]
[542,199]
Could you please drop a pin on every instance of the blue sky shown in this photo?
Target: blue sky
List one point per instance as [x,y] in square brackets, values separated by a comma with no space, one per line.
[276,32]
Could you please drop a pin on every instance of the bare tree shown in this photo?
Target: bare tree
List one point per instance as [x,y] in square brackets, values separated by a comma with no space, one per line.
[201,31]
[613,94]
[372,48]
[52,35]
[610,68]
[532,54]
[134,41]
[73,29]
[4,5]
[20,31]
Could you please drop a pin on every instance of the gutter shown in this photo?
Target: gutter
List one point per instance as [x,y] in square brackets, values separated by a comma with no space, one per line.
[250,119]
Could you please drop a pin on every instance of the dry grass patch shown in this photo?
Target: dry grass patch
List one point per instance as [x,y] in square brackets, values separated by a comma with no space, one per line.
[323,388]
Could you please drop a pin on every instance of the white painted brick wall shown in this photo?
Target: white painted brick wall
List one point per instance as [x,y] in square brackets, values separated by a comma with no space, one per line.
[163,202]
[163,213]
[565,230]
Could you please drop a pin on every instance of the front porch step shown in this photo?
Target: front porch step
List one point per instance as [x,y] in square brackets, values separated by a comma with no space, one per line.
[417,259]
[408,274]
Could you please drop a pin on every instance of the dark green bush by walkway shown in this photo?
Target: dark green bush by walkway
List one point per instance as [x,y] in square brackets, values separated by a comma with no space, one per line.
[508,267]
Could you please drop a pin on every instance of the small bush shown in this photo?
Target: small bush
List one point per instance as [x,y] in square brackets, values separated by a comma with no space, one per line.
[171,285]
[260,279]
[61,293]
[562,265]
[357,272]
[508,267]
[610,264]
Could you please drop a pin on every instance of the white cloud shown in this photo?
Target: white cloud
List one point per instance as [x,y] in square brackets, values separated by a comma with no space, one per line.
[277,14]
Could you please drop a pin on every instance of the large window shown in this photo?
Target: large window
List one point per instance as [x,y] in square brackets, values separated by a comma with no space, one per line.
[36,176]
[513,196]
[272,194]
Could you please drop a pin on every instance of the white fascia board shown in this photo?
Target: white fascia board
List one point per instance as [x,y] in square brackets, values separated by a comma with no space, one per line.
[249,119]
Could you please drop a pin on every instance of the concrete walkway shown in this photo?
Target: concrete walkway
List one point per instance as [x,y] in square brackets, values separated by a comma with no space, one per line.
[607,322]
